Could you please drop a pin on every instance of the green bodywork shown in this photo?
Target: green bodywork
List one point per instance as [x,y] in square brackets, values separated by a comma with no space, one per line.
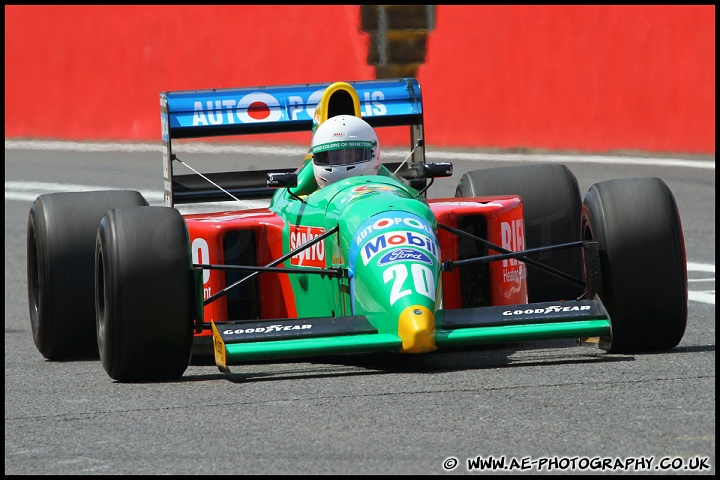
[387,243]
[348,204]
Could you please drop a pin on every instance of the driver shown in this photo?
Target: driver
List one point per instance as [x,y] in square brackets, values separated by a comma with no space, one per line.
[344,146]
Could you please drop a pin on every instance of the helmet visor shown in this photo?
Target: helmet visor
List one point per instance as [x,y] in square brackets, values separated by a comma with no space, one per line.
[348,156]
[343,153]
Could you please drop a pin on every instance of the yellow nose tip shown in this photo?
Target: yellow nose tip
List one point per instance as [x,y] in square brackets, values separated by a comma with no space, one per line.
[416,329]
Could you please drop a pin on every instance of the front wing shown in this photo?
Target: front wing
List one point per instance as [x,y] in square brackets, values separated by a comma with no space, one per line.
[236,342]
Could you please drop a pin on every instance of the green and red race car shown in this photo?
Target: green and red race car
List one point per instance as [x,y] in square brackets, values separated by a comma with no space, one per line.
[362,265]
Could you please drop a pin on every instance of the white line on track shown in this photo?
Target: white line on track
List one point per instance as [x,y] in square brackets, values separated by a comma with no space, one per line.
[28,191]
[203,147]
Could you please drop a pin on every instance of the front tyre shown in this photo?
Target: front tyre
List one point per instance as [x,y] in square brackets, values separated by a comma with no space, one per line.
[642,256]
[551,207]
[144,294]
[61,235]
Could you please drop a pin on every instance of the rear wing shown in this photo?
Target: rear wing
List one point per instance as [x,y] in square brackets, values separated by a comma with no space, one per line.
[277,109]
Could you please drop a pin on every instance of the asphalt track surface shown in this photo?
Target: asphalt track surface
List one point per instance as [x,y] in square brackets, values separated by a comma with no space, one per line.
[548,406]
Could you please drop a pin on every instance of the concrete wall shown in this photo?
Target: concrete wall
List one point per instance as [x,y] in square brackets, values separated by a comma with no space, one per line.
[565,78]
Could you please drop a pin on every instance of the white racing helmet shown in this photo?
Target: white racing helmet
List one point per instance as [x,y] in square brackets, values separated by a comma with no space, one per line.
[344,146]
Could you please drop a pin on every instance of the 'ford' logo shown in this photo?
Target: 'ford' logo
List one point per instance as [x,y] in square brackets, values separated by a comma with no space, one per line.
[404,254]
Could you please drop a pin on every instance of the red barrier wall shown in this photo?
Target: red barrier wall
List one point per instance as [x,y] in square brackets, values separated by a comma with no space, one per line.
[584,78]
[96,72]
[591,78]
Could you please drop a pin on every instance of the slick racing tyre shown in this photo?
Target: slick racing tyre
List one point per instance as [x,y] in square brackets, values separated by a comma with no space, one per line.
[144,294]
[551,206]
[61,235]
[642,261]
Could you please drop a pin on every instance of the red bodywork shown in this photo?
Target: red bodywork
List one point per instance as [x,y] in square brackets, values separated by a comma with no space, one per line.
[505,228]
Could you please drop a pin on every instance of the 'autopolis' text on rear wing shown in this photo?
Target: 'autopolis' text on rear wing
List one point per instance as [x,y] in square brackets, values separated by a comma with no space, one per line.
[277,109]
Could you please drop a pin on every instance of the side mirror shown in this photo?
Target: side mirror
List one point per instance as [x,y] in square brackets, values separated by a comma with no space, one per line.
[438,169]
[281,180]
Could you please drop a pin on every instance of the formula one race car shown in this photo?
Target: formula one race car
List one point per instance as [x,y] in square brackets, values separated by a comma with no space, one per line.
[364,264]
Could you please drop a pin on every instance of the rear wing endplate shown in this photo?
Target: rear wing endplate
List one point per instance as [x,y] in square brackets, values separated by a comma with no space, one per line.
[273,109]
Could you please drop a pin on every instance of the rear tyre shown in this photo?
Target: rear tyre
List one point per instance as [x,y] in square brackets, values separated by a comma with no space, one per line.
[551,206]
[642,257]
[144,294]
[61,235]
